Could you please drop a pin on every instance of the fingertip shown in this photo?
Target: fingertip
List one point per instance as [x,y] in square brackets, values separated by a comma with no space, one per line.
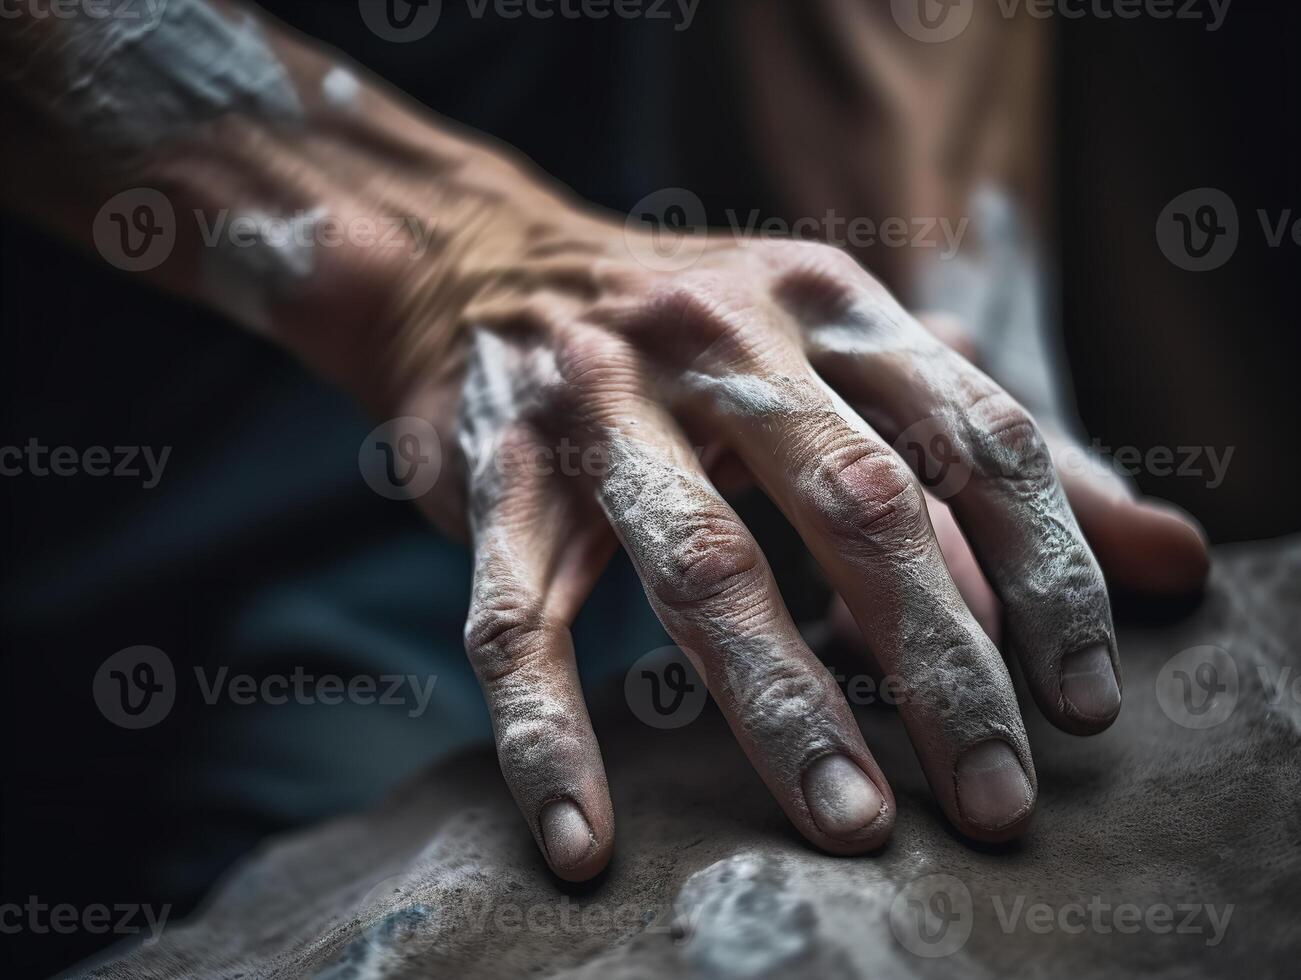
[1148,546]
[851,812]
[1180,536]
[995,794]
[573,849]
[1090,690]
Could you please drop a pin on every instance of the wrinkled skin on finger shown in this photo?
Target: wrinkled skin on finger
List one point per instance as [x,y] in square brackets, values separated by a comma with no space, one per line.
[595,393]
[1144,545]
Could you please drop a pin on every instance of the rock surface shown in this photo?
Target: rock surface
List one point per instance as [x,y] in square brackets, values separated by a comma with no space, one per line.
[1169,846]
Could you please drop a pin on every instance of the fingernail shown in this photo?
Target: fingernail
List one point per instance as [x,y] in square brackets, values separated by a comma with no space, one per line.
[840,796]
[565,833]
[1089,683]
[993,790]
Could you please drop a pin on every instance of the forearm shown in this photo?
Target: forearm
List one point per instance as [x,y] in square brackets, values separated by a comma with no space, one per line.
[299,188]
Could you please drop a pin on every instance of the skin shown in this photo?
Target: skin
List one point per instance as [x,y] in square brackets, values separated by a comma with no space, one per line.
[527,325]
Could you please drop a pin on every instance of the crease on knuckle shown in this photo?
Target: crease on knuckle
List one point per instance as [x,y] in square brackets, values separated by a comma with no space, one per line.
[704,319]
[1070,592]
[504,637]
[867,496]
[963,683]
[783,696]
[712,558]
[535,734]
[591,364]
[1006,443]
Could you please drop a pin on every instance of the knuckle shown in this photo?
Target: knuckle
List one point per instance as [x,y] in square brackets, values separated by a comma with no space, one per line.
[593,362]
[712,556]
[802,255]
[1071,591]
[962,677]
[786,695]
[534,733]
[696,299]
[711,315]
[823,281]
[511,317]
[503,636]
[1006,442]
[836,262]
[868,494]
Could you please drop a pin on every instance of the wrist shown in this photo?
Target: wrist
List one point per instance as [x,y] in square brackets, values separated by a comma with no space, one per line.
[354,240]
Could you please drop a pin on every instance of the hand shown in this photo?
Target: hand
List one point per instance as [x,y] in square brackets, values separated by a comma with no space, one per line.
[528,331]
[776,356]
[525,329]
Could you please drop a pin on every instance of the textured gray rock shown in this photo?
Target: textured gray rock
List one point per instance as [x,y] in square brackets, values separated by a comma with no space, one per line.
[1168,846]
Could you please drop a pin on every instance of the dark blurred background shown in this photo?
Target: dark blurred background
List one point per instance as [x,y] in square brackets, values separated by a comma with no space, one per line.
[262,518]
